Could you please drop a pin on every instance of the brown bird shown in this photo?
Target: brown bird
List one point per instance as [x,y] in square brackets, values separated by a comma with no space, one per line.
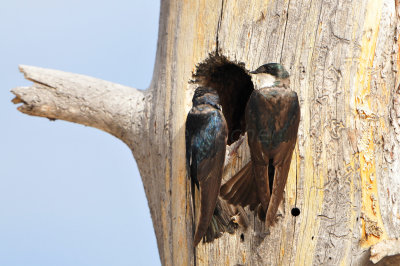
[272,121]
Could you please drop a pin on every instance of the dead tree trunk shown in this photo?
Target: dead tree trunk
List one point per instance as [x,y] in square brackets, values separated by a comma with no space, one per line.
[345,174]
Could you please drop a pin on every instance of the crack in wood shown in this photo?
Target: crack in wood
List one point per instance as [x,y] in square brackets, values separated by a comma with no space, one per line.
[218,27]
[284,31]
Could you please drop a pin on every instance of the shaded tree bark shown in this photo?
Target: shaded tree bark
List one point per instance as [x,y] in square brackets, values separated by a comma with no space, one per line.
[345,173]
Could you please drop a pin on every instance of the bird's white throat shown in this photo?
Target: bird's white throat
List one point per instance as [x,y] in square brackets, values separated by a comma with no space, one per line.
[263,80]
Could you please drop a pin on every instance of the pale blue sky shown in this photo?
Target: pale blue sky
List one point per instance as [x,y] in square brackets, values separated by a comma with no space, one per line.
[69,194]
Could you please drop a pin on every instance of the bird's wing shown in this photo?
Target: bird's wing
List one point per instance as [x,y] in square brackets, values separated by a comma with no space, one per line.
[205,126]
[258,111]
[287,118]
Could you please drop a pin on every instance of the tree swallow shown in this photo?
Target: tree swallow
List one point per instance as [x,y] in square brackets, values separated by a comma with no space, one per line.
[272,121]
[206,138]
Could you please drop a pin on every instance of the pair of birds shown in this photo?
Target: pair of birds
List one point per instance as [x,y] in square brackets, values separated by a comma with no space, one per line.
[272,118]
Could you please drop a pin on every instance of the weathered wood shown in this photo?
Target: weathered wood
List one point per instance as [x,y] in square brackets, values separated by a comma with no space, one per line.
[345,173]
[385,248]
[114,108]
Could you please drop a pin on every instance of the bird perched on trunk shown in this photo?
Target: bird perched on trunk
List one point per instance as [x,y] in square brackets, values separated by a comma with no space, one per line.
[272,121]
[206,137]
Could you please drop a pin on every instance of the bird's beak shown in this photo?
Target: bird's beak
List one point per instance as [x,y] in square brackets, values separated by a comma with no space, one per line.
[253,72]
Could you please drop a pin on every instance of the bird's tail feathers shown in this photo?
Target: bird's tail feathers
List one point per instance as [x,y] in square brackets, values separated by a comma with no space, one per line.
[241,188]
[221,222]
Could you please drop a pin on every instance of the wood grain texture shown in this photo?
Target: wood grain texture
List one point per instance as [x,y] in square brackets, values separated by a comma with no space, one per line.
[345,172]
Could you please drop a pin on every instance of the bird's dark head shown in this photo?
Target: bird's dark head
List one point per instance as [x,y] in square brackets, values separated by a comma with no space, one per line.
[206,95]
[270,75]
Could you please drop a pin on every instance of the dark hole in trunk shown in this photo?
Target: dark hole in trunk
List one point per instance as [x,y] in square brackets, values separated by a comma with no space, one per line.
[234,87]
[295,211]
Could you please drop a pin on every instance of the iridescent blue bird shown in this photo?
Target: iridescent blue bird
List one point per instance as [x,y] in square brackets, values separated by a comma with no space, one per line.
[272,120]
[206,137]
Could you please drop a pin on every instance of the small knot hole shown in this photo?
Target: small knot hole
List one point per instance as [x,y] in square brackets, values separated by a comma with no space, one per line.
[295,212]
